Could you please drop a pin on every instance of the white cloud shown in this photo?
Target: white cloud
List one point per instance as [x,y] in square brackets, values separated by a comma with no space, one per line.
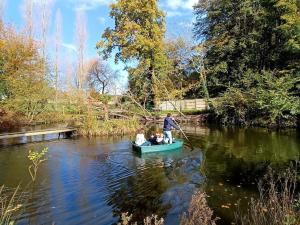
[69,46]
[181,4]
[89,4]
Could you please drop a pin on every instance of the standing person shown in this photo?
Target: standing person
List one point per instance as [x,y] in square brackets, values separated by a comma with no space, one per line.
[140,139]
[168,124]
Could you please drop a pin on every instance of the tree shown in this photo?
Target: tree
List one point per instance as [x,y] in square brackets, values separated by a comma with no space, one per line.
[45,11]
[81,36]
[2,10]
[251,58]
[100,76]
[58,23]
[247,35]
[137,35]
[25,89]
[183,72]
[69,74]
[27,9]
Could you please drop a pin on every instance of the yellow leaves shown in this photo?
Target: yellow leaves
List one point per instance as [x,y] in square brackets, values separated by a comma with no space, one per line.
[2,43]
[36,156]
[23,70]
[139,29]
[100,44]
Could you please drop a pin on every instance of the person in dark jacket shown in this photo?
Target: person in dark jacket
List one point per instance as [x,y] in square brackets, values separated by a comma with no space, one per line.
[168,125]
[153,140]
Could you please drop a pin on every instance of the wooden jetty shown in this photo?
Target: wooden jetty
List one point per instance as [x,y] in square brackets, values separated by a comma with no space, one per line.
[59,131]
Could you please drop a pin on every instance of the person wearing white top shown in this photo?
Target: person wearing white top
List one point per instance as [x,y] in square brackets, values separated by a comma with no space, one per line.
[140,139]
[160,139]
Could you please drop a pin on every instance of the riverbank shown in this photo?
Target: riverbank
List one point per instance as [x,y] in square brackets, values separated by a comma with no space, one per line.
[210,118]
[91,125]
[11,121]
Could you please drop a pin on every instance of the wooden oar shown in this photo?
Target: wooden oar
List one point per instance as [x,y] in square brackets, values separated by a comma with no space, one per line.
[184,135]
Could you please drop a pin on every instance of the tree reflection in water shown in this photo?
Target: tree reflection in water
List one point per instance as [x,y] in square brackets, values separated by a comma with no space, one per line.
[140,195]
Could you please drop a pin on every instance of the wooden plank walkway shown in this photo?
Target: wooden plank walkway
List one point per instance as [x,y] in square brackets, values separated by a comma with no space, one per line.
[37,132]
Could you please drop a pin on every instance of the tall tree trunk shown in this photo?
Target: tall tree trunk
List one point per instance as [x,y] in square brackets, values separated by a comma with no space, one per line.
[2,10]
[28,18]
[57,51]
[151,80]
[44,12]
[81,37]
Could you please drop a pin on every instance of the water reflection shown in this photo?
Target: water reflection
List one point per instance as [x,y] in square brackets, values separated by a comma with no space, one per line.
[140,194]
[92,181]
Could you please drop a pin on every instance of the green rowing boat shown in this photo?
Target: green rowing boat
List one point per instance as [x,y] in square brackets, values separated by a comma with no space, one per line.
[177,144]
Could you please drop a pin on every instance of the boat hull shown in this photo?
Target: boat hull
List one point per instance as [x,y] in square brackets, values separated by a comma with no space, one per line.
[158,148]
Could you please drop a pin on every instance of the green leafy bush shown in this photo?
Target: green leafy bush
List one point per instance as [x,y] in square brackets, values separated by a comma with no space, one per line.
[264,99]
[232,107]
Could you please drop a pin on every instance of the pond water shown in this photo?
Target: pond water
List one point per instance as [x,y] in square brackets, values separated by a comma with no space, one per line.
[92,181]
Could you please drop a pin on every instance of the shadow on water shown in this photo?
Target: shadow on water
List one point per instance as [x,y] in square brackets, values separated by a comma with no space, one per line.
[93,181]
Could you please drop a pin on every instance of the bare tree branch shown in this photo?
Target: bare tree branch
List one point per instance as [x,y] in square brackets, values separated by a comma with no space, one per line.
[27,11]
[2,9]
[100,76]
[45,11]
[81,37]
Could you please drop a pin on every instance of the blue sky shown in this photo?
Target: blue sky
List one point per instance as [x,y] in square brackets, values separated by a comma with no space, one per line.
[179,21]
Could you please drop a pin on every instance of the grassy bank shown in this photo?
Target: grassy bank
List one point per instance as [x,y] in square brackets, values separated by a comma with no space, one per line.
[93,127]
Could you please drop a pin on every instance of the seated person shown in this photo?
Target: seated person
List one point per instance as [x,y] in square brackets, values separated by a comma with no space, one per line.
[153,140]
[140,139]
[160,139]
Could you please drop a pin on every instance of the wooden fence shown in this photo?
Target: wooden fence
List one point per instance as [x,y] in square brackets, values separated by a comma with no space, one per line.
[188,104]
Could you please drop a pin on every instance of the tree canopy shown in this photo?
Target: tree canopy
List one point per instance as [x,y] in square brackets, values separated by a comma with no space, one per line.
[243,35]
[137,36]
[24,88]
[252,57]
